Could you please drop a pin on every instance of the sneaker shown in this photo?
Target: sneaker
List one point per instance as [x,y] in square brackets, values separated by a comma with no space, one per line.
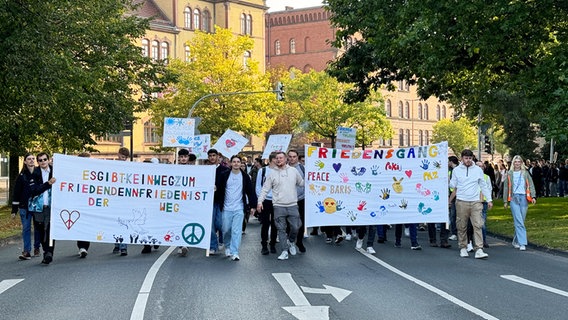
[416,247]
[339,239]
[283,255]
[146,249]
[301,247]
[371,250]
[235,257]
[36,252]
[328,240]
[156,247]
[523,248]
[516,246]
[348,237]
[453,237]
[479,254]
[227,252]
[116,250]
[47,258]
[212,252]
[221,246]
[264,251]
[184,252]
[359,244]
[272,249]
[292,248]
[469,247]
[464,253]
[123,252]
[398,245]
[83,253]
[25,256]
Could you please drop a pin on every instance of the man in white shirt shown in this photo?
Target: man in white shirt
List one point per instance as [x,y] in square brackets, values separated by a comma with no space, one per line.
[467,180]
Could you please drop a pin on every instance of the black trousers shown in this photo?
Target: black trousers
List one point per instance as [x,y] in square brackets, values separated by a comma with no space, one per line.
[302,211]
[266,217]
[41,223]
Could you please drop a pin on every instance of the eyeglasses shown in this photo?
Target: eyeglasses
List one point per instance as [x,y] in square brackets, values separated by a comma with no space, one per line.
[42,160]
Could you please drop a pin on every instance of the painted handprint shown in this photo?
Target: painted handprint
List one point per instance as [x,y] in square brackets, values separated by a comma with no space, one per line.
[320,206]
[358,171]
[375,170]
[319,164]
[362,205]
[385,194]
[403,204]
[425,164]
[344,177]
[437,164]
[436,195]
[352,215]
[359,187]
[367,188]
[339,205]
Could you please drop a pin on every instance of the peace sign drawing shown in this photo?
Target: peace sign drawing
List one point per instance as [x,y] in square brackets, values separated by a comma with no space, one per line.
[193,233]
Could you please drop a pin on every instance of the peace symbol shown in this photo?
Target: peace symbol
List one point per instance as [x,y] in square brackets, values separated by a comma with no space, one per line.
[195,234]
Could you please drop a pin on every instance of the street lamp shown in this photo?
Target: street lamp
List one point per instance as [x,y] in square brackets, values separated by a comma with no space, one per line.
[412,119]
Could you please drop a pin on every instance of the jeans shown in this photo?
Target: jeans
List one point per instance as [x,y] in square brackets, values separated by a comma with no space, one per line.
[519,207]
[216,225]
[563,187]
[232,229]
[27,231]
[287,216]
[413,233]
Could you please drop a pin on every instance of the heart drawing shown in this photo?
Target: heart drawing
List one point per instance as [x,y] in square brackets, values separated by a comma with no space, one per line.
[408,173]
[337,166]
[230,143]
[69,218]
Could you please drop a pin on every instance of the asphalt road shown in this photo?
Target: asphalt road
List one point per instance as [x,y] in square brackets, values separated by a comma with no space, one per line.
[328,282]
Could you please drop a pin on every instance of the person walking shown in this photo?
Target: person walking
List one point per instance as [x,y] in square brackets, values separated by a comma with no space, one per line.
[519,189]
[120,246]
[293,161]
[266,217]
[467,179]
[283,181]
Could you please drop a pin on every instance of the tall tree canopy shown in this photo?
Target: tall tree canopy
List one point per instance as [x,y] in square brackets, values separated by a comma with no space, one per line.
[460,134]
[218,65]
[464,51]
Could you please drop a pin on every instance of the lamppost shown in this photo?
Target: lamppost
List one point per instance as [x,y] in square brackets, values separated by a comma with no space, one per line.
[412,119]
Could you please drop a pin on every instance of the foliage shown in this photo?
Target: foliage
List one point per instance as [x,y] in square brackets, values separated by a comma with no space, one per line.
[217,66]
[460,134]
[318,100]
[70,71]
[461,51]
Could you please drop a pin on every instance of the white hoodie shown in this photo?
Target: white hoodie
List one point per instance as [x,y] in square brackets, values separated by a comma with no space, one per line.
[283,184]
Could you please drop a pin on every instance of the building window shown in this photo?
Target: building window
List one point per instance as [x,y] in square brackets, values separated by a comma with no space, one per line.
[400,85]
[196,19]
[165,52]
[427,138]
[407,137]
[145,47]
[187,53]
[400,137]
[248,25]
[246,59]
[406,86]
[206,21]
[425,111]
[390,142]
[292,46]
[243,23]
[444,112]
[420,111]
[150,133]
[400,114]
[306,43]
[420,137]
[187,17]
[155,50]
[388,108]
[438,112]
[116,138]
[277,47]
[406,111]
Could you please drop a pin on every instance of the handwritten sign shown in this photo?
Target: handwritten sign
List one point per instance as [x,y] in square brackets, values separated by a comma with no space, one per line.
[230,143]
[178,132]
[199,145]
[276,143]
[346,138]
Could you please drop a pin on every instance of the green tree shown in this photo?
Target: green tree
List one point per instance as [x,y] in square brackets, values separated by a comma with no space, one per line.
[70,71]
[217,65]
[460,134]
[318,99]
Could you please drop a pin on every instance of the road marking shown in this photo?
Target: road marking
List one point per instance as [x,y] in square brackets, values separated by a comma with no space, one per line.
[429,287]
[338,293]
[534,284]
[291,288]
[144,293]
[7,284]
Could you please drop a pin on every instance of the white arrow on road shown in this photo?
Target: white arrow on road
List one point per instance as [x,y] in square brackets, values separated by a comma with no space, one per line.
[303,309]
[7,284]
[338,293]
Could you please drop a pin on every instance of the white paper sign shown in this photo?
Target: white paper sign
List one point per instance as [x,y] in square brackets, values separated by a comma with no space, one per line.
[373,187]
[346,138]
[178,132]
[230,143]
[276,143]
[199,145]
[131,202]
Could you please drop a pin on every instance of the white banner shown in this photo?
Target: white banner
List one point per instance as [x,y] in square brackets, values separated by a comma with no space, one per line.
[178,131]
[345,138]
[373,187]
[199,145]
[276,143]
[230,143]
[131,202]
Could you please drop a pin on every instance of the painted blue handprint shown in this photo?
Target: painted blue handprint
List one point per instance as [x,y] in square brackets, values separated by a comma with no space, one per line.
[436,195]
[425,164]
[375,170]
[339,205]
[319,205]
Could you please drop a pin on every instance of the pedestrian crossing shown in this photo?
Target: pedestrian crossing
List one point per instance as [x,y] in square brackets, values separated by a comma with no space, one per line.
[9,283]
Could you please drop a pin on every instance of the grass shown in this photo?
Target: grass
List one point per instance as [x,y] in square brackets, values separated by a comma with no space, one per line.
[546,222]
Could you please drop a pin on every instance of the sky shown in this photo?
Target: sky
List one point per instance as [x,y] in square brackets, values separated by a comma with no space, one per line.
[278,5]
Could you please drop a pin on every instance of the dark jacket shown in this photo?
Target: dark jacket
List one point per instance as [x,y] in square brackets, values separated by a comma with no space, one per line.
[248,190]
[221,169]
[28,184]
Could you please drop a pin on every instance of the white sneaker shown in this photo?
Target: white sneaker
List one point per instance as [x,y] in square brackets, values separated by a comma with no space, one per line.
[82,252]
[359,244]
[522,248]
[221,246]
[228,252]
[212,252]
[479,254]
[235,257]
[469,247]
[371,250]
[407,232]
[463,253]
[453,237]
[348,237]
[516,245]
[292,248]
[283,255]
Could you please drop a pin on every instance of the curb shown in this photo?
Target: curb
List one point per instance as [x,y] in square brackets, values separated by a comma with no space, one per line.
[556,252]
[10,240]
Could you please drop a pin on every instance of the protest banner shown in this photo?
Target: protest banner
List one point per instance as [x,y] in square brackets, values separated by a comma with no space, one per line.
[199,145]
[276,143]
[346,138]
[373,187]
[230,143]
[177,132]
[135,203]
